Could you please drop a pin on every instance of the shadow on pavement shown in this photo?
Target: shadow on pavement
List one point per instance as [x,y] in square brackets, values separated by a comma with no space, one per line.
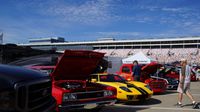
[167,92]
[121,109]
[151,101]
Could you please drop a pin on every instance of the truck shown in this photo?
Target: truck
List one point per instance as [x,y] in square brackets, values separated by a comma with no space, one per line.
[23,90]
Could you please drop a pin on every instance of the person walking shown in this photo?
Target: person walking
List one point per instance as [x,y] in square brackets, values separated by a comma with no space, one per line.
[184,83]
[136,71]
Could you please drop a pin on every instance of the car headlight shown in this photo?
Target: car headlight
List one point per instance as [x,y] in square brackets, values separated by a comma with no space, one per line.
[7,101]
[147,86]
[69,97]
[125,89]
[108,93]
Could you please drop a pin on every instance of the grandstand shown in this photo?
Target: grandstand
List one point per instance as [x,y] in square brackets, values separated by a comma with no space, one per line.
[165,50]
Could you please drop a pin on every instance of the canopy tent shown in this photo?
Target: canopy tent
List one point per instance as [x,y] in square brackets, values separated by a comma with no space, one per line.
[140,57]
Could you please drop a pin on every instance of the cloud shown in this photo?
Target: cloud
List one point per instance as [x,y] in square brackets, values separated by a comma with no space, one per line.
[119,33]
[22,32]
[173,9]
[42,18]
[87,12]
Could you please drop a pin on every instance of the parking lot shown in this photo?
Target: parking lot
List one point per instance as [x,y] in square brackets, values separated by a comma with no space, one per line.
[159,103]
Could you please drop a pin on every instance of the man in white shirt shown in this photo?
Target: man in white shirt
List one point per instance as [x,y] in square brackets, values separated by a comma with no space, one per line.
[184,83]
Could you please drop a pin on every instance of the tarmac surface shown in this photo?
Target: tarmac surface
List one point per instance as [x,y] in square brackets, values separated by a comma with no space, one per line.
[159,103]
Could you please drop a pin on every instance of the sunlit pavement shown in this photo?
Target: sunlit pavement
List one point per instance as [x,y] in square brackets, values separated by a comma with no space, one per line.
[160,103]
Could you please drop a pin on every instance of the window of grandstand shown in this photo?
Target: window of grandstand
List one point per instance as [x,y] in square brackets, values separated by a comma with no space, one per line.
[190,46]
[127,47]
[190,41]
[165,46]
[155,47]
[146,47]
[136,47]
[165,42]
[119,47]
[112,47]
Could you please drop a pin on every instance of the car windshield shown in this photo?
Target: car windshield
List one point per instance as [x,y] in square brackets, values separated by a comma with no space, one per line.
[111,78]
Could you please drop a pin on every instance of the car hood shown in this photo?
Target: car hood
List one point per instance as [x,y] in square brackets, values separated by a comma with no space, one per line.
[151,68]
[76,65]
[139,84]
[114,84]
[13,74]
[133,86]
[118,84]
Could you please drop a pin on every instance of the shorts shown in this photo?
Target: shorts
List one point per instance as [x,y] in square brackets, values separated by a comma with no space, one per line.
[184,89]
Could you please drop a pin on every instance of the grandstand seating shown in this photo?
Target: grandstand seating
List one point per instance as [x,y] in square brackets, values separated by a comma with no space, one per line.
[162,55]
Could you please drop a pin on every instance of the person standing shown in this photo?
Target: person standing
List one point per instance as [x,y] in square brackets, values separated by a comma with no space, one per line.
[136,71]
[184,83]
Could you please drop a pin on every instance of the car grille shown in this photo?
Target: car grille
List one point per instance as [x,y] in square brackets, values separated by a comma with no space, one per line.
[142,96]
[157,84]
[33,96]
[137,97]
[130,97]
[88,95]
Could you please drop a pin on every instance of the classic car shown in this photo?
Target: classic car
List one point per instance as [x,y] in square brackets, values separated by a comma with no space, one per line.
[169,75]
[173,73]
[126,90]
[158,85]
[193,76]
[24,90]
[70,86]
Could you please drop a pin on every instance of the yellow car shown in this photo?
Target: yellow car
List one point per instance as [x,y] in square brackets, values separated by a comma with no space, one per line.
[126,90]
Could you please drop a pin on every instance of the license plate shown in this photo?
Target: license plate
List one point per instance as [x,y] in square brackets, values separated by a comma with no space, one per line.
[90,106]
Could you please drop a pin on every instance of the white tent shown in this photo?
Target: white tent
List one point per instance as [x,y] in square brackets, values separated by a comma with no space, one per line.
[140,57]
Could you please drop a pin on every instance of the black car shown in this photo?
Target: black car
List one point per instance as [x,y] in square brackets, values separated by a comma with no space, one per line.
[23,90]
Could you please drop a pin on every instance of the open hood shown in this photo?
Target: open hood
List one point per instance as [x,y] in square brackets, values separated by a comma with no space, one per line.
[76,65]
[151,68]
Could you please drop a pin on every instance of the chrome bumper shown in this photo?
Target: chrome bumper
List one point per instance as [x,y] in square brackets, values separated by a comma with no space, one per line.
[93,104]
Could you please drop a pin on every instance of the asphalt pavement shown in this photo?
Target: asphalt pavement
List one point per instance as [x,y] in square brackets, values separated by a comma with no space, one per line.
[159,103]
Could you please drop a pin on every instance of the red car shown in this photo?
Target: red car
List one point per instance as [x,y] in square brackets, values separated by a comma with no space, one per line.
[193,76]
[172,73]
[71,89]
[158,85]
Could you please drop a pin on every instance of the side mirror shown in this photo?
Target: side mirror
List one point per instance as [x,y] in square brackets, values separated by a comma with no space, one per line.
[94,80]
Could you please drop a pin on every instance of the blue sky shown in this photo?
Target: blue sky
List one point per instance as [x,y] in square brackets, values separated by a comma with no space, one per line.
[79,20]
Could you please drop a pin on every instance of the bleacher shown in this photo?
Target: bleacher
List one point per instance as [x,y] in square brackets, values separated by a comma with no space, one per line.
[162,55]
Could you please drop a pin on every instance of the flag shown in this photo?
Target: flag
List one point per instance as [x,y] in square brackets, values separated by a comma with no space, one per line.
[1,38]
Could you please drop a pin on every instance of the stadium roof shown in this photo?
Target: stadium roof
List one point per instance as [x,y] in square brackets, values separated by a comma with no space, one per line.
[114,41]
